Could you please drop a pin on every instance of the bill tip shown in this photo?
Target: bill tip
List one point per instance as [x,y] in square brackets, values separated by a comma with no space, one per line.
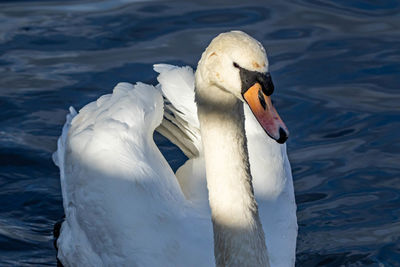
[283,136]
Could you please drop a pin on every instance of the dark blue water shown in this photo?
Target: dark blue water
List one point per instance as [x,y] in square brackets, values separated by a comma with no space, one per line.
[336,68]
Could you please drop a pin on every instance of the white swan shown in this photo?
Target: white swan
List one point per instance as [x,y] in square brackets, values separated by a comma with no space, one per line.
[125,207]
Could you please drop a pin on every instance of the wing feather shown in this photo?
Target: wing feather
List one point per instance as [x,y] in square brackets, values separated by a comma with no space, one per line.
[119,193]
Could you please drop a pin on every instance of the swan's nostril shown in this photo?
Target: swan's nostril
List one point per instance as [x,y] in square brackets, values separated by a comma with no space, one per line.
[282,136]
[261,99]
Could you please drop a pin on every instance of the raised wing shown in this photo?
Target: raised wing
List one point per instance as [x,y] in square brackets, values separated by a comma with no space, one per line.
[180,124]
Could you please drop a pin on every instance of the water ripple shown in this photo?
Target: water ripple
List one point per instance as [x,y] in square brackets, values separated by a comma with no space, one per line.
[335,66]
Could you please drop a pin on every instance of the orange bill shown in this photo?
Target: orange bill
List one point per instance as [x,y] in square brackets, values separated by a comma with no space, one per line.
[265,113]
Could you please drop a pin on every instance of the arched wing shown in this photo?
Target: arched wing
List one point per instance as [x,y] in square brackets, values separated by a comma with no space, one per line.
[122,202]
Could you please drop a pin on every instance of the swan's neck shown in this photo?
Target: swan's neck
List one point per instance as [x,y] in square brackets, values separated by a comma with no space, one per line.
[238,234]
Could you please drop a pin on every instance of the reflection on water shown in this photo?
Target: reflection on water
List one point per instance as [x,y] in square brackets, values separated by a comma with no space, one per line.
[335,65]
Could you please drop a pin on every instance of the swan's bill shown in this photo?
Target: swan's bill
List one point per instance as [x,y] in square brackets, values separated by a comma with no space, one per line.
[262,108]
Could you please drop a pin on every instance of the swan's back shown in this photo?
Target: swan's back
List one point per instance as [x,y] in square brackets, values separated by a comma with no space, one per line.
[122,201]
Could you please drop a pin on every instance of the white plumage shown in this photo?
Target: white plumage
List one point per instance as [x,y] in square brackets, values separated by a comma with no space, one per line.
[123,204]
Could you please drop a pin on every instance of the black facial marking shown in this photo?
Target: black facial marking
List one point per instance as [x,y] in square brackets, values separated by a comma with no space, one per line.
[266,83]
[249,78]
[261,99]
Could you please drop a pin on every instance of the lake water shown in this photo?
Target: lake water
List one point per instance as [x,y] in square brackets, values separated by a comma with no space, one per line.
[335,65]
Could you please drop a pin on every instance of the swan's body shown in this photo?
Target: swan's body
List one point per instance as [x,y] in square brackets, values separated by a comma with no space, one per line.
[125,207]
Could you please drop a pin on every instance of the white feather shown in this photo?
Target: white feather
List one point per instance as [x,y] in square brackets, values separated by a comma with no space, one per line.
[123,204]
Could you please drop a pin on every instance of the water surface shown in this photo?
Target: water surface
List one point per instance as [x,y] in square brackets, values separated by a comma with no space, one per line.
[335,65]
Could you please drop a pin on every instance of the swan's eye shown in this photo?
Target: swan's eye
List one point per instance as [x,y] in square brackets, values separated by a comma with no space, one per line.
[249,78]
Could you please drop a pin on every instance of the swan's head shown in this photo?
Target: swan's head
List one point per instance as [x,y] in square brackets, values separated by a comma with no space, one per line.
[236,63]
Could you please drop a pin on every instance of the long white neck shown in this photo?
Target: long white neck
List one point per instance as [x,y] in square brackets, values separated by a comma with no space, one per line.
[238,234]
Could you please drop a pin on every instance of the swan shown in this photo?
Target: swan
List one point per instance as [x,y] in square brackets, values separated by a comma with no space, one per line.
[231,203]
